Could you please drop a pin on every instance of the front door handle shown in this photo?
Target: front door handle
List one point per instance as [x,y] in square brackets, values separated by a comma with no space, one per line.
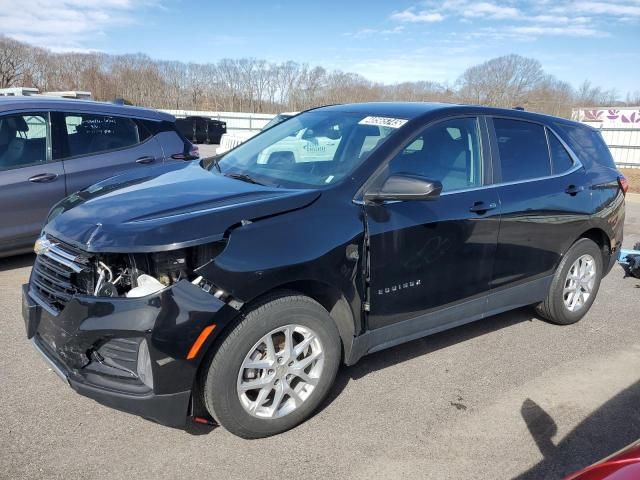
[482,207]
[145,160]
[43,177]
[573,190]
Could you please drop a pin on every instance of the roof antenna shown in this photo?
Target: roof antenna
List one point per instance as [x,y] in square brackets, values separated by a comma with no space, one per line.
[519,108]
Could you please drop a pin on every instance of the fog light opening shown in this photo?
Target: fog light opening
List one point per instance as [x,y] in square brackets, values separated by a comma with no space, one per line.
[144,365]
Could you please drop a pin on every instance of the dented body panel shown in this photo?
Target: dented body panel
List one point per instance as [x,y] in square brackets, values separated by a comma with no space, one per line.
[173,206]
[94,343]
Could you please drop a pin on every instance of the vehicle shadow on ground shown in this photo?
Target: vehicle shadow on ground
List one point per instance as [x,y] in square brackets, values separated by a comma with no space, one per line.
[17,261]
[423,346]
[608,429]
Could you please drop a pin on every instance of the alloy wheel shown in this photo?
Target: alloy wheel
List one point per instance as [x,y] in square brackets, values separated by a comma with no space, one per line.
[280,371]
[578,285]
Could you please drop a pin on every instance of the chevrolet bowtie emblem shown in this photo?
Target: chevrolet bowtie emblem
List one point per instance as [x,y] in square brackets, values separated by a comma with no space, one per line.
[42,246]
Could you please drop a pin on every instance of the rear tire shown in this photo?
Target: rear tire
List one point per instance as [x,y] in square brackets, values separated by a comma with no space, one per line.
[274,368]
[575,284]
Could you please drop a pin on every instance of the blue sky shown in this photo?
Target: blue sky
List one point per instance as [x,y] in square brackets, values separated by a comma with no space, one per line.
[388,41]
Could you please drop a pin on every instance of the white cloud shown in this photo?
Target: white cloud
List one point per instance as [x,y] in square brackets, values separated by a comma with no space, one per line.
[609,8]
[526,19]
[67,24]
[565,31]
[423,16]
[489,10]
[368,32]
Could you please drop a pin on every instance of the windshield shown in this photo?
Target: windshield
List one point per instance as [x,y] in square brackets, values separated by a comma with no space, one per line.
[312,149]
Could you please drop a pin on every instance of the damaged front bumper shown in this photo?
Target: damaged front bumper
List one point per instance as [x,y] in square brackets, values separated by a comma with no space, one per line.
[129,353]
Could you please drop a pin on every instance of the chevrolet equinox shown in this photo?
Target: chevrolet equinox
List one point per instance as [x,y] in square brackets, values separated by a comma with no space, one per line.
[231,289]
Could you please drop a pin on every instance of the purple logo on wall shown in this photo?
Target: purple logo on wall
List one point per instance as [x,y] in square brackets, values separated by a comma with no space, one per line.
[624,116]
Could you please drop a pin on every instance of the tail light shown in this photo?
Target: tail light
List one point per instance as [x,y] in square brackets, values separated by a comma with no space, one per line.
[624,183]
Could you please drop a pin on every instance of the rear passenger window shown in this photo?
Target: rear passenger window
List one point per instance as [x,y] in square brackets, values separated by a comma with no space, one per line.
[90,134]
[523,150]
[23,140]
[560,158]
[587,144]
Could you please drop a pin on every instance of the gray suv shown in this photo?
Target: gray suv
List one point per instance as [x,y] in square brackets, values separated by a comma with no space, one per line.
[50,148]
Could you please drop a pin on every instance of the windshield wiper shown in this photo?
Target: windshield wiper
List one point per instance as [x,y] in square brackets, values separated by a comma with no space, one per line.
[244,177]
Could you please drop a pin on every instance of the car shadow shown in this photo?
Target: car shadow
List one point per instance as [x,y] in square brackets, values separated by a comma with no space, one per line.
[423,346]
[608,429]
[17,261]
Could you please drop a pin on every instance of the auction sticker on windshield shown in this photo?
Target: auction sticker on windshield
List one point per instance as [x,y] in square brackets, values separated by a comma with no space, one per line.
[383,121]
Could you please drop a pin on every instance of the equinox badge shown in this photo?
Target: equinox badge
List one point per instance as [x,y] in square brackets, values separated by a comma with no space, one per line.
[400,286]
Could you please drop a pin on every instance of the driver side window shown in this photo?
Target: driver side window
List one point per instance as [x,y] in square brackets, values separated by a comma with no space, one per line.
[448,151]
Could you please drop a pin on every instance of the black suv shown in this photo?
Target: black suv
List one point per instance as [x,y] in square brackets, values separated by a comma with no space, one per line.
[232,288]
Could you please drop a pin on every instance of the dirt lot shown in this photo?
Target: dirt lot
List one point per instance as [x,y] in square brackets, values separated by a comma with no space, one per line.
[633,175]
[510,396]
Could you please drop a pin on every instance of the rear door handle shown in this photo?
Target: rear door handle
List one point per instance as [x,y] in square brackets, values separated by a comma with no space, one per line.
[482,207]
[145,160]
[43,177]
[573,190]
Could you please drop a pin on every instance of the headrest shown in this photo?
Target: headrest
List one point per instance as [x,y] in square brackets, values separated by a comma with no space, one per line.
[18,124]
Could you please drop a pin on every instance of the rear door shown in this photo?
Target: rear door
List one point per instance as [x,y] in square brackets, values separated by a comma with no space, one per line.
[30,182]
[545,200]
[98,146]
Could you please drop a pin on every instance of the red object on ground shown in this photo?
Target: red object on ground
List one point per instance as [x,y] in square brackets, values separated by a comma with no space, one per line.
[624,465]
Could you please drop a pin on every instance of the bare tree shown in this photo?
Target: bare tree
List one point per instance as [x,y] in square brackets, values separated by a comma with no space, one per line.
[13,60]
[256,85]
[504,81]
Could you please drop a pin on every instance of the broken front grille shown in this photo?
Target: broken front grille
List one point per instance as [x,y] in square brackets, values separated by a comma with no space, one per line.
[60,271]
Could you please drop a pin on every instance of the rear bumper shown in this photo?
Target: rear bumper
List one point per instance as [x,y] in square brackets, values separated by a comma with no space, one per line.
[94,342]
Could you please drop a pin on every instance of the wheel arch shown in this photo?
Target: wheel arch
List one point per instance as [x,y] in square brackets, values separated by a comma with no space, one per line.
[328,296]
[600,238]
[333,300]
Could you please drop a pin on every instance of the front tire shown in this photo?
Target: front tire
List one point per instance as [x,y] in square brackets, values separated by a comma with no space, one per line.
[575,284]
[274,368]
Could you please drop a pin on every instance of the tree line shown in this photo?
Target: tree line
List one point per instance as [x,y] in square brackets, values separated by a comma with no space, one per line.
[254,85]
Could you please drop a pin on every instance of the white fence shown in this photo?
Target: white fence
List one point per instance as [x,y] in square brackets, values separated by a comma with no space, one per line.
[238,122]
[620,129]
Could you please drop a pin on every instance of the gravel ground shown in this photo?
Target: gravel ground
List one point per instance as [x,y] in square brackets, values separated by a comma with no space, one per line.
[508,397]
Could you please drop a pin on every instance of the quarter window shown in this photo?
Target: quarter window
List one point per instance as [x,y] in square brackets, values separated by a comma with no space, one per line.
[523,150]
[90,134]
[560,158]
[23,140]
[448,151]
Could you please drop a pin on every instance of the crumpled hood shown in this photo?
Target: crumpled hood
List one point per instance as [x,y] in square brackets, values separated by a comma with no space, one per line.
[165,207]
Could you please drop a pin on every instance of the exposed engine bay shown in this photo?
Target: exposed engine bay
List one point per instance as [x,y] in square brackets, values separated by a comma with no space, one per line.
[140,274]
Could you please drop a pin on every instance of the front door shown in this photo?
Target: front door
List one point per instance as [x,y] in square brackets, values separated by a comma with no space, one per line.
[430,254]
[30,183]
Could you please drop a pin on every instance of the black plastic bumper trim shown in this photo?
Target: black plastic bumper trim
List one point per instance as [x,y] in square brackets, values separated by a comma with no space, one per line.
[170,410]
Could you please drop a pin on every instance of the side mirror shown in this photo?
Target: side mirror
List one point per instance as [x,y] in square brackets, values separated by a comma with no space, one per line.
[401,187]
